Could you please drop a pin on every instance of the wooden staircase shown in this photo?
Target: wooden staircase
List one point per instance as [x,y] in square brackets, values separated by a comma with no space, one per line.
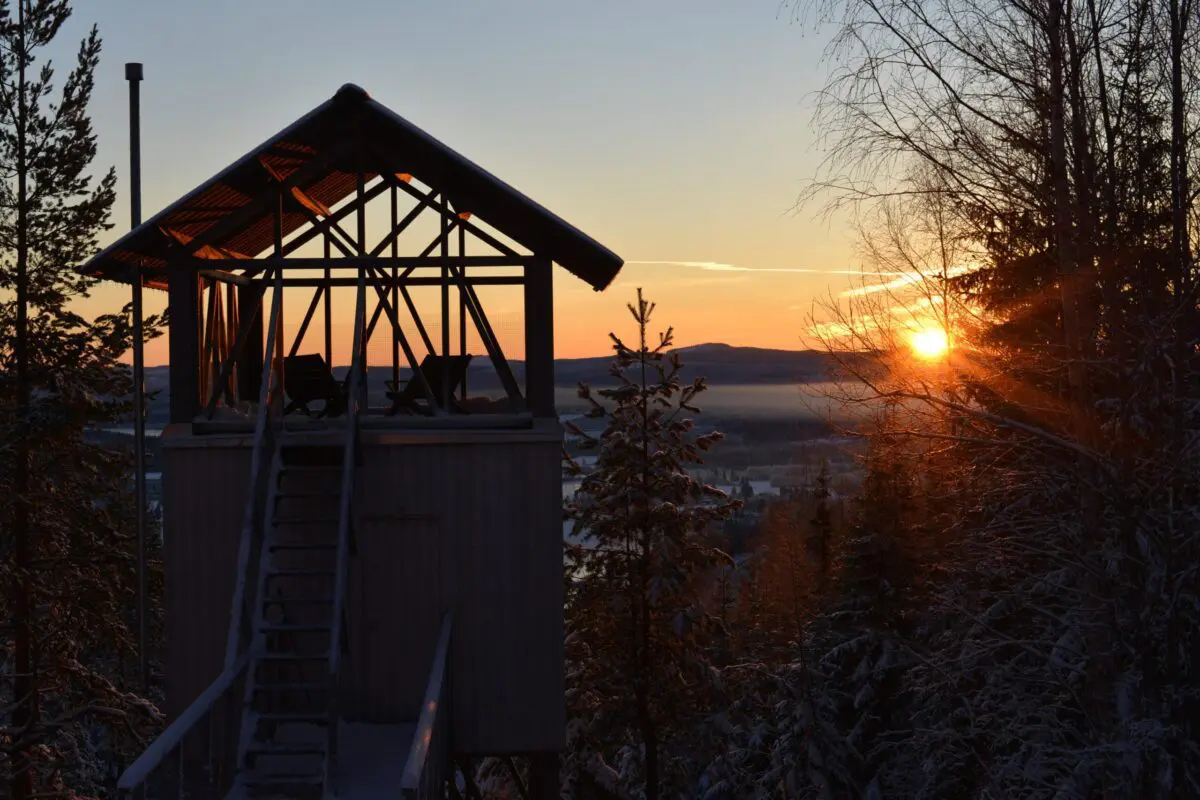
[269,725]
[288,731]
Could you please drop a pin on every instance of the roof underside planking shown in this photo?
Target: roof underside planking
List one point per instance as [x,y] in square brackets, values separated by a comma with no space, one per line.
[240,203]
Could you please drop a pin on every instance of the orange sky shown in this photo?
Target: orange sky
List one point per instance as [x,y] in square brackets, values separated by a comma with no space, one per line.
[677,133]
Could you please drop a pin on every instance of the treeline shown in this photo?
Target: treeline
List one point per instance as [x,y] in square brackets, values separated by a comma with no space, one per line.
[1009,608]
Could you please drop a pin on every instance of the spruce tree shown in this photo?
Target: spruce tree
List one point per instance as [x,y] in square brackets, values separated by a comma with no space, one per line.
[638,630]
[67,560]
[820,532]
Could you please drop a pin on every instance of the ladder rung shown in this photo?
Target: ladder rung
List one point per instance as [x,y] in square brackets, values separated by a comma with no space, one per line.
[315,717]
[304,520]
[279,780]
[292,657]
[290,687]
[295,628]
[300,573]
[309,468]
[285,748]
[301,495]
[302,546]
[283,599]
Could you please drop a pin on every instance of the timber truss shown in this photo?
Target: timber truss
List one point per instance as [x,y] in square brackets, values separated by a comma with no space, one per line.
[304,193]
[230,318]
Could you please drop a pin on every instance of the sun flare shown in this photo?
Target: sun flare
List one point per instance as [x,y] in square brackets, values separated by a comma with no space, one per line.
[929,343]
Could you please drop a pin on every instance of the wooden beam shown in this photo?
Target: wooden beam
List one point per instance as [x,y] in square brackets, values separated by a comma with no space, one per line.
[375,315]
[308,315]
[393,235]
[208,359]
[227,278]
[398,227]
[328,289]
[249,332]
[313,219]
[219,266]
[346,280]
[278,404]
[539,338]
[462,311]
[490,342]
[412,309]
[250,351]
[337,216]
[232,336]
[444,390]
[183,302]
[398,332]
[390,177]
[262,204]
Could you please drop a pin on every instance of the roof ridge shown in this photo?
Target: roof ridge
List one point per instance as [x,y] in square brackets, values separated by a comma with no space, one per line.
[351,91]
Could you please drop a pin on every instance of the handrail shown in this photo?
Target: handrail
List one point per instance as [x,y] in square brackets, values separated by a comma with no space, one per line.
[136,775]
[260,461]
[349,459]
[420,777]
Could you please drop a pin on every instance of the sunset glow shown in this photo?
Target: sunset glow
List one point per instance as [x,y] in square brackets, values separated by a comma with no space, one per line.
[929,343]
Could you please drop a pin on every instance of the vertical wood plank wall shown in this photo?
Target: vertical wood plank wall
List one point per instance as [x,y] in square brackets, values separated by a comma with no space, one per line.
[204,498]
[469,521]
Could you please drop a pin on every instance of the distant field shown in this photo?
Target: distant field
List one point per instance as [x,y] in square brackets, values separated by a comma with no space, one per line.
[766,401]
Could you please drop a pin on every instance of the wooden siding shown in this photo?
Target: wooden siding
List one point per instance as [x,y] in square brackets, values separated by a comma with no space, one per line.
[465,521]
[497,508]
[401,582]
[204,498]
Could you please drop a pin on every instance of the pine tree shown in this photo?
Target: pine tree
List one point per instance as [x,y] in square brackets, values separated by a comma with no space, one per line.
[67,563]
[820,535]
[638,631]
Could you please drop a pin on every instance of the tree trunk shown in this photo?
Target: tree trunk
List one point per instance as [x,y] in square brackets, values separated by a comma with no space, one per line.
[1179,171]
[25,689]
[649,733]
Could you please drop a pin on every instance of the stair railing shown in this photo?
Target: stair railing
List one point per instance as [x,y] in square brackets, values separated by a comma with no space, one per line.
[196,756]
[241,624]
[197,753]
[355,402]
[429,763]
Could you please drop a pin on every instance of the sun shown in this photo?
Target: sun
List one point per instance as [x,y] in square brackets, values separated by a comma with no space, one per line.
[929,343]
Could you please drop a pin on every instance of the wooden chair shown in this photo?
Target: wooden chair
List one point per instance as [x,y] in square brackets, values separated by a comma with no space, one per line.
[308,378]
[433,367]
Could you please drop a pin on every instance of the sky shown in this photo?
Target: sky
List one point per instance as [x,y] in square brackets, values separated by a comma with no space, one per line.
[678,134]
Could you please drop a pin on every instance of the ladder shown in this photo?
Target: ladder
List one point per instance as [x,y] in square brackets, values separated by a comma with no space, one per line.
[287,746]
[289,724]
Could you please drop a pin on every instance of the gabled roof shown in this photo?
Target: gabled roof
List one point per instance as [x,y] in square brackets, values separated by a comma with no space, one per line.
[394,145]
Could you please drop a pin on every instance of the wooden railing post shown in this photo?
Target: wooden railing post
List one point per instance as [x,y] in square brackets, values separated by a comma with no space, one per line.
[539,337]
[184,304]
[355,396]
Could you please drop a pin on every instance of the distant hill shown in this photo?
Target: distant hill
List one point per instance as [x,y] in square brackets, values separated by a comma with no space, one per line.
[721,364]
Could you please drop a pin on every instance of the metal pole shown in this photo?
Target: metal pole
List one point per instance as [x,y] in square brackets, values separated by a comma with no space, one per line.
[133,74]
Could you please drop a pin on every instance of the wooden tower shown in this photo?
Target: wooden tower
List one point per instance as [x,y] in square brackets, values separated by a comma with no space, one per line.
[363,564]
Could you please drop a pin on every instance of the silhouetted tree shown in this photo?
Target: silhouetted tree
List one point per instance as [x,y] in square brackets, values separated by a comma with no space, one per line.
[638,631]
[820,534]
[67,560]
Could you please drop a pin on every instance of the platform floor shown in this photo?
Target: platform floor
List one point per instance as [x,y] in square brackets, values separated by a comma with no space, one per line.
[371,759]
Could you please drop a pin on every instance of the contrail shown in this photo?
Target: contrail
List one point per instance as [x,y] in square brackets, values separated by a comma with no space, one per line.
[715,266]
[905,279]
